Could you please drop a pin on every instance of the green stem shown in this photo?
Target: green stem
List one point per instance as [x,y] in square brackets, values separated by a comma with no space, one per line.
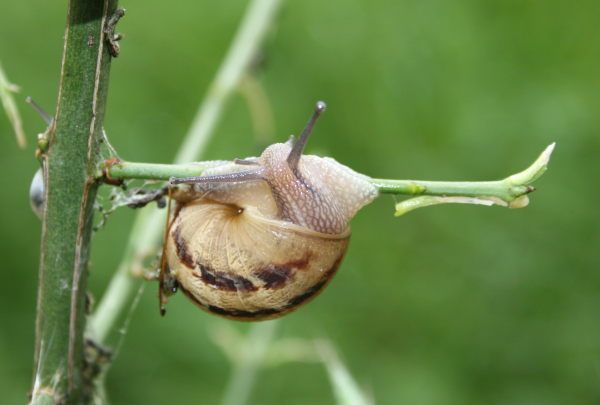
[501,192]
[148,229]
[257,21]
[345,387]
[149,171]
[499,189]
[507,190]
[511,191]
[142,243]
[248,363]
[69,194]
[8,101]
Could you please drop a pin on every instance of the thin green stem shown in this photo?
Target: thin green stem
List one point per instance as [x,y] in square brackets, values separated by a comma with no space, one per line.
[499,189]
[248,363]
[511,192]
[257,21]
[502,192]
[507,190]
[149,224]
[345,388]
[121,290]
[149,171]
[8,101]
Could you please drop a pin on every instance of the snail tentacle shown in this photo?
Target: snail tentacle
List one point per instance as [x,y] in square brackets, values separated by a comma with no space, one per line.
[246,175]
[294,157]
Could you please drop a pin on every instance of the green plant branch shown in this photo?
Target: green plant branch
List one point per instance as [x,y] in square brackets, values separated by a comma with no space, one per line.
[511,192]
[69,162]
[118,171]
[255,25]
[8,101]
[345,388]
[247,358]
[146,236]
[507,192]
[261,113]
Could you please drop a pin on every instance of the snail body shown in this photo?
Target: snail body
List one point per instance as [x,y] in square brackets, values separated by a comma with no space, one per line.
[258,238]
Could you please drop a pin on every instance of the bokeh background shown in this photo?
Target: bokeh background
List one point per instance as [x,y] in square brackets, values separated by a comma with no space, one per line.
[447,305]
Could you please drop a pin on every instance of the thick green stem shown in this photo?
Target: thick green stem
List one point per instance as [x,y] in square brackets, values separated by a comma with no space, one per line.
[70,190]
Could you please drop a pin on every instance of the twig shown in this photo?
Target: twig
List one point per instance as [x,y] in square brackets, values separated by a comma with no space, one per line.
[8,101]
[248,363]
[511,191]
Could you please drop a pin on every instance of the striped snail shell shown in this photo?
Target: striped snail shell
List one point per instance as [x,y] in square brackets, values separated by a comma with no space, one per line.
[258,238]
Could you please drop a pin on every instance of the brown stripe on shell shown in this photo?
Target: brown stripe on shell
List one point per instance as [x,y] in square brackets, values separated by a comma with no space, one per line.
[256,315]
[301,264]
[307,295]
[314,290]
[225,283]
[177,210]
[243,314]
[223,280]
[193,298]
[277,276]
[182,249]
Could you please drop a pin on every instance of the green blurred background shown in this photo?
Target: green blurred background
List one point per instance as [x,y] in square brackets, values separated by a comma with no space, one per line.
[447,305]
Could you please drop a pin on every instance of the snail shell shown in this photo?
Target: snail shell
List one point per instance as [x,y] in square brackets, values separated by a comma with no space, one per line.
[257,243]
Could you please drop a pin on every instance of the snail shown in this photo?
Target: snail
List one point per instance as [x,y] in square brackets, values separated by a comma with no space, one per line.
[257,238]
[36,194]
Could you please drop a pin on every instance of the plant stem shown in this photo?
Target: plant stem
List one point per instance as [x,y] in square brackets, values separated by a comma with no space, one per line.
[147,232]
[8,101]
[257,21]
[150,171]
[345,388]
[70,192]
[511,192]
[502,192]
[506,190]
[246,367]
